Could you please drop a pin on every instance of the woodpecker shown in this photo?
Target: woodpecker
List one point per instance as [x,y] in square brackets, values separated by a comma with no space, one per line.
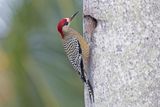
[76,49]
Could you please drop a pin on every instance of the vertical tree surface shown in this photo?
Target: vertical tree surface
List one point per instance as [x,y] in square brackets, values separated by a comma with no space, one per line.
[125,52]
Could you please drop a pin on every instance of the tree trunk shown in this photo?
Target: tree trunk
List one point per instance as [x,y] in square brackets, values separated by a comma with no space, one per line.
[125,52]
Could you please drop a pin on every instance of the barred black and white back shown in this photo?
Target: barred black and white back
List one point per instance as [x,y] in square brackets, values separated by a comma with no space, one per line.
[74,53]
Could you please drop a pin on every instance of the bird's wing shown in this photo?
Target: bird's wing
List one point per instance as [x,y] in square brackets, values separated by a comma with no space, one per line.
[74,52]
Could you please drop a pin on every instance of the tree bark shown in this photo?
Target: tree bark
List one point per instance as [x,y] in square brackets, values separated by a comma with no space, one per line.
[124,36]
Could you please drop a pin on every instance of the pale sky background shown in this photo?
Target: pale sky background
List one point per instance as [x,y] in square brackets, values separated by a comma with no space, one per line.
[7,9]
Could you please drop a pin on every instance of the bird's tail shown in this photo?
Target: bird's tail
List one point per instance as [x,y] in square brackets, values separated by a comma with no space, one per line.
[90,90]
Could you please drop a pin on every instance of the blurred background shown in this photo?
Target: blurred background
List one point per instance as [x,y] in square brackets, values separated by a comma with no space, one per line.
[34,71]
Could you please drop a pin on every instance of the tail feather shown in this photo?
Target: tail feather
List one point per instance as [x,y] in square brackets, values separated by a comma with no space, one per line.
[90,90]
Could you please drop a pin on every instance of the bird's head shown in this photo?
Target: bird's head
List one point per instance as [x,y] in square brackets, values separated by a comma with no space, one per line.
[65,22]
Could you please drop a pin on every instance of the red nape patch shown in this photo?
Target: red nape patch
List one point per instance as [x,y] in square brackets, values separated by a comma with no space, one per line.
[60,26]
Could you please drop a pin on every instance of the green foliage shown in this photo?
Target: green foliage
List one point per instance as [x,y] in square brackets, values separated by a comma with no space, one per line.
[41,73]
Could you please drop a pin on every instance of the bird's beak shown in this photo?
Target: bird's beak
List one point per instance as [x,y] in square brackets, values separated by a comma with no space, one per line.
[72,17]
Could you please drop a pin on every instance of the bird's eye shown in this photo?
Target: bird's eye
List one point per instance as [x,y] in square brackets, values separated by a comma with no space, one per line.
[66,23]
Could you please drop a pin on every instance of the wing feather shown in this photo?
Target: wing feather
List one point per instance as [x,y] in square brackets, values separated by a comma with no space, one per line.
[74,53]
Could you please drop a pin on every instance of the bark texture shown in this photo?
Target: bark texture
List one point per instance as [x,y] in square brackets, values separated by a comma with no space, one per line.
[125,52]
